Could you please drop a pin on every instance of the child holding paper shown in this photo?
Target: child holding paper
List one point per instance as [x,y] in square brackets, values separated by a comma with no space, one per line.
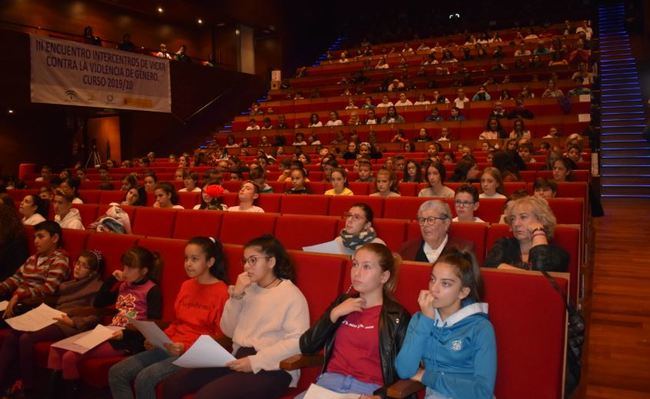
[198,307]
[136,295]
[41,274]
[265,316]
[73,295]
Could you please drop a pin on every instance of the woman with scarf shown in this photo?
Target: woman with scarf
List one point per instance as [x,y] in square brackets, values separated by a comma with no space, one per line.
[358,229]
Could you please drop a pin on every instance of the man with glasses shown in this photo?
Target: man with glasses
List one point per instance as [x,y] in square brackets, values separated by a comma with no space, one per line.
[434,218]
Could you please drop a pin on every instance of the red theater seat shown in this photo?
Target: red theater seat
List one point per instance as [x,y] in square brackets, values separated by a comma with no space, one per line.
[188,200]
[305,204]
[88,212]
[297,231]
[240,227]
[338,205]
[154,222]
[112,246]
[491,209]
[90,196]
[108,196]
[408,189]
[568,210]
[74,241]
[234,255]
[191,223]
[359,188]
[392,231]
[270,202]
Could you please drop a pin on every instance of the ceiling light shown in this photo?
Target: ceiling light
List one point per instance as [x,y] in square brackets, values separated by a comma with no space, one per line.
[160,10]
[199,21]
[10,111]
[236,31]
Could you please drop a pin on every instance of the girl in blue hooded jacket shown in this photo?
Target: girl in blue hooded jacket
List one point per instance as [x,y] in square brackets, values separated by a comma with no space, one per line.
[451,336]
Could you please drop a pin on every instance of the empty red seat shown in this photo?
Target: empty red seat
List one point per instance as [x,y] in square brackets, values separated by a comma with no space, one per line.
[74,241]
[154,222]
[305,204]
[234,254]
[408,189]
[240,227]
[568,210]
[403,207]
[88,212]
[360,188]
[191,223]
[188,200]
[490,209]
[297,231]
[108,196]
[270,202]
[90,196]
[392,231]
[572,190]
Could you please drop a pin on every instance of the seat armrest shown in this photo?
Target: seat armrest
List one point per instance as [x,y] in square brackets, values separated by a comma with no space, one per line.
[404,388]
[296,362]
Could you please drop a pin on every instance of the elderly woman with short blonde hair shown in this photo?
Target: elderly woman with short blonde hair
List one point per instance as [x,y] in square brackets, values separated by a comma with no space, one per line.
[532,223]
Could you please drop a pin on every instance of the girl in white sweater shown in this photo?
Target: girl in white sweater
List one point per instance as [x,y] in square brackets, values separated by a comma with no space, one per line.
[265,316]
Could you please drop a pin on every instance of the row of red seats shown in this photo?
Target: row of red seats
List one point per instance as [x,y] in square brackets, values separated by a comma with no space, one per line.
[530,329]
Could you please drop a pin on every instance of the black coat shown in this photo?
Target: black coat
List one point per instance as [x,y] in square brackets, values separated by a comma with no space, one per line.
[550,258]
[393,323]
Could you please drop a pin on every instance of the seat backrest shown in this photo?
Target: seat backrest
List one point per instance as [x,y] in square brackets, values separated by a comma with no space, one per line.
[88,212]
[188,200]
[112,246]
[74,241]
[340,204]
[108,196]
[359,188]
[297,231]
[234,267]
[568,210]
[474,232]
[403,207]
[270,202]
[191,223]
[154,222]
[241,227]
[319,278]
[408,189]
[572,190]
[90,196]
[392,231]
[529,320]
[490,209]
[172,275]
[304,204]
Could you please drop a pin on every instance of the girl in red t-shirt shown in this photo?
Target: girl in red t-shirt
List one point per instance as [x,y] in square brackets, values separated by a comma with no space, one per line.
[361,333]
[198,308]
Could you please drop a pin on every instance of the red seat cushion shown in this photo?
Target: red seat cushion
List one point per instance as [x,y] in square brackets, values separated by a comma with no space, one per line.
[305,204]
[154,222]
[191,223]
[112,246]
[297,231]
[240,227]
[74,241]
[340,204]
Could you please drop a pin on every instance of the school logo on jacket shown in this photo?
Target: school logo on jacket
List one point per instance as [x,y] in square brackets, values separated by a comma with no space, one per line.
[457,345]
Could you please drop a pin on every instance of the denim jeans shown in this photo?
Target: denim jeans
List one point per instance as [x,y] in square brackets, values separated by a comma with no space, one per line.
[147,368]
[343,384]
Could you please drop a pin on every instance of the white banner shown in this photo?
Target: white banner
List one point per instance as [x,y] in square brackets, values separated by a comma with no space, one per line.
[71,73]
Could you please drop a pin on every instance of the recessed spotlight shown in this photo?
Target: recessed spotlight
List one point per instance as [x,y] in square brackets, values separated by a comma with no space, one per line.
[10,111]
[199,21]
[160,10]
[236,31]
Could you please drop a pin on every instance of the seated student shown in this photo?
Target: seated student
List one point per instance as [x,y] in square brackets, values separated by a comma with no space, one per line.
[365,171]
[411,172]
[41,274]
[13,241]
[361,333]
[166,196]
[134,293]
[392,116]
[198,308]
[466,170]
[371,117]
[179,173]
[466,203]
[70,186]
[71,298]
[33,209]
[385,184]
[212,197]
[482,94]
[248,194]
[493,130]
[545,189]
[351,151]
[519,130]
[314,121]
[265,316]
[445,136]
[358,229]
[46,174]
[252,125]
[334,119]
[339,181]
[135,196]
[64,214]
[574,153]
[562,169]
[491,183]
[450,345]
[403,101]
[434,218]
[455,114]
[532,223]
[257,176]
[423,136]
[298,182]
[436,177]
[190,181]
[149,181]
[525,151]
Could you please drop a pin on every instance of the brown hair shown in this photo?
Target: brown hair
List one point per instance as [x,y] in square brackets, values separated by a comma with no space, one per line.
[467,269]
[387,261]
[140,258]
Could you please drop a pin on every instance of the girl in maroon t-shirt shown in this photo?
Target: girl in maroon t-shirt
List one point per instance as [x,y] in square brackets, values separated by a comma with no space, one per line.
[361,333]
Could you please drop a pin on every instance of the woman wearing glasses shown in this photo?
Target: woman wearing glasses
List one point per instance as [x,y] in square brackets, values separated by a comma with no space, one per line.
[434,218]
[265,316]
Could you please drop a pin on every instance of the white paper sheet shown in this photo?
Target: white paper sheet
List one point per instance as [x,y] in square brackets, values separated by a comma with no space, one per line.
[34,320]
[330,247]
[206,352]
[3,305]
[97,336]
[152,333]
[70,345]
[318,392]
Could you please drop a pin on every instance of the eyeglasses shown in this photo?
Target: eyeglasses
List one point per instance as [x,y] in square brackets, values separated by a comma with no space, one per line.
[464,203]
[354,216]
[252,260]
[431,220]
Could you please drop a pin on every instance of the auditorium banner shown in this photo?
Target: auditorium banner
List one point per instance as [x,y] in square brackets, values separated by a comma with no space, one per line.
[71,73]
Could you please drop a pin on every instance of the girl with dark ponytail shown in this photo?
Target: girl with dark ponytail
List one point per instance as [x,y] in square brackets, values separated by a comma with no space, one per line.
[198,307]
[452,336]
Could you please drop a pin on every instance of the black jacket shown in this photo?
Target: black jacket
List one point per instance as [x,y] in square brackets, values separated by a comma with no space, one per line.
[550,258]
[393,322]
